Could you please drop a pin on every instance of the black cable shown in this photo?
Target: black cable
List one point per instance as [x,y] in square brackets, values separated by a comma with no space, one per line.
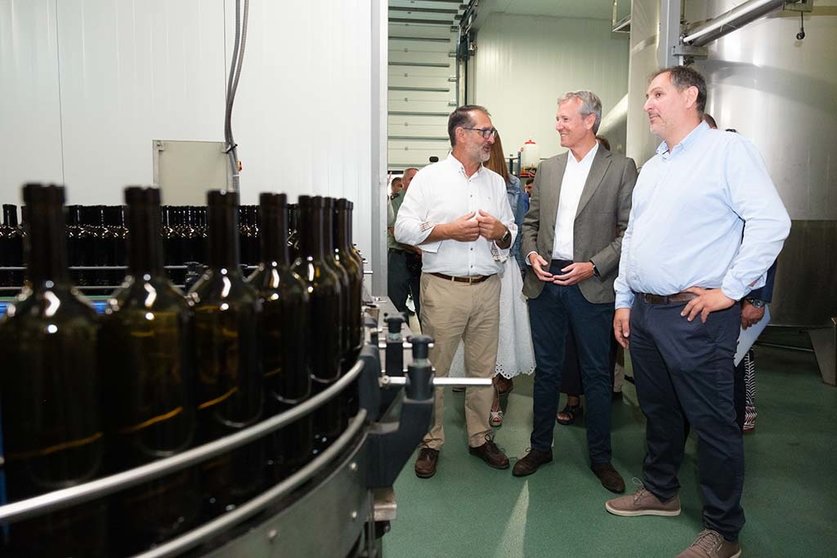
[801,34]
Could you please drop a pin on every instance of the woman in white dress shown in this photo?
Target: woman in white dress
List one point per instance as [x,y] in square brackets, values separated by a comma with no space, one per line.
[515,354]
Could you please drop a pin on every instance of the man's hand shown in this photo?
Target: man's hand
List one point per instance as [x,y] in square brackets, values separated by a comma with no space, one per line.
[750,315]
[490,227]
[707,301]
[463,229]
[540,266]
[574,273]
[622,326]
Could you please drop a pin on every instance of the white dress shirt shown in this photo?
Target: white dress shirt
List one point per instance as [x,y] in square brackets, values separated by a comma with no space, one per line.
[441,193]
[575,176]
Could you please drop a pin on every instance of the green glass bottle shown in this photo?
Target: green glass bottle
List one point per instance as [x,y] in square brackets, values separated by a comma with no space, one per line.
[49,381]
[285,306]
[325,318]
[148,379]
[227,361]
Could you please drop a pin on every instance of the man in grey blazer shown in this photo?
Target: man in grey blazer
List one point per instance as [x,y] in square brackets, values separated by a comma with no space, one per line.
[572,238]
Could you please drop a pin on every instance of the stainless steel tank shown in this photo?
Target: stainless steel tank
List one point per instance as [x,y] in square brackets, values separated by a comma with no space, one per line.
[781,93]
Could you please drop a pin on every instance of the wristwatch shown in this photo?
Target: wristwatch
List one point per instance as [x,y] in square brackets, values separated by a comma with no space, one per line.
[506,237]
[755,302]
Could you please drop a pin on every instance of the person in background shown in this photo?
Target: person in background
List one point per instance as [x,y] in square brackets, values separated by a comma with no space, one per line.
[753,308]
[395,188]
[572,236]
[456,211]
[528,187]
[514,353]
[403,261]
[705,225]
[752,312]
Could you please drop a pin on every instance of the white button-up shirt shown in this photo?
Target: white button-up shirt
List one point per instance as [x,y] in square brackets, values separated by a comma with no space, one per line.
[575,176]
[441,193]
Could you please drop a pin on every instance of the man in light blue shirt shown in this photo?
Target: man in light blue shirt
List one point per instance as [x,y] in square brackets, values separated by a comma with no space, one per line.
[705,225]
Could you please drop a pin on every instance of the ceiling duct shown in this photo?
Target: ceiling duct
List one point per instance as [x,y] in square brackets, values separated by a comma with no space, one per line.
[730,21]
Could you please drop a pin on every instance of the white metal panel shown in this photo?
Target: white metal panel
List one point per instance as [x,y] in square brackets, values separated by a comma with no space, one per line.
[30,131]
[132,72]
[302,116]
[523,64]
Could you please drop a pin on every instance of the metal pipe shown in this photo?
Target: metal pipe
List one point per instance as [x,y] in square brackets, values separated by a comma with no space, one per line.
[728,22]
[59,499]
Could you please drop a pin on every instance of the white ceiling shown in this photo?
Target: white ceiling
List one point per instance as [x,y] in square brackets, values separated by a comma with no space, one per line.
[449,11]
[592,9]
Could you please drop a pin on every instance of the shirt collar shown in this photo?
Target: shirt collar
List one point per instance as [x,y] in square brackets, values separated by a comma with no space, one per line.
[690,138]
[587,157]
[460,167]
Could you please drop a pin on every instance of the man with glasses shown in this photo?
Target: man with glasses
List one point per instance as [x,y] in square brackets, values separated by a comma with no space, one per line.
[572,238]
[456,211]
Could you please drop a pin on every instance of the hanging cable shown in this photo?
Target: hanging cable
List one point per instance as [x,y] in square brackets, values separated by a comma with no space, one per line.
[236,63]
[801,34]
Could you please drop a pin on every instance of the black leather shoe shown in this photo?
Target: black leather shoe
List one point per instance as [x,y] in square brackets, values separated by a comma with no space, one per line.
[530,462]
[491,454]
[426,463]
[610,477]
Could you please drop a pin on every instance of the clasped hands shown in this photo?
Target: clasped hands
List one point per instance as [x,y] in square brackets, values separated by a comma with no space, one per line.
[574,273]
[475,224]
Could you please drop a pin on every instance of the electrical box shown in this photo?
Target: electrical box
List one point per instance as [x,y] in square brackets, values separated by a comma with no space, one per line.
[185,170]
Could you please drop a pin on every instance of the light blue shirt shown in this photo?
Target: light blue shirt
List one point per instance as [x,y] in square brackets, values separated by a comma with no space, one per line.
[687,223]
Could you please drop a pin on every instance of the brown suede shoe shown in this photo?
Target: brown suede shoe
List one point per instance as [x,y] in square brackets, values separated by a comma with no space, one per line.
[610,477]
[530,462]
[426,463]
[491,454]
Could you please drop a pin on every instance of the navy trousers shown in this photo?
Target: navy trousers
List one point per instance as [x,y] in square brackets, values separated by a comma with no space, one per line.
[684,370]
[550,316]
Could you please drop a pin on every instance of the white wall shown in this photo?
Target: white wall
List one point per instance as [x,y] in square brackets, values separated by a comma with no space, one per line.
[524,63]
[85,85]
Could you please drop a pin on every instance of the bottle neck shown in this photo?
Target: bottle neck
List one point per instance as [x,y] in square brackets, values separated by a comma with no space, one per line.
[10,215]
[340,229]
[47,250]
[145,243]
[223,235]
[273,236]
[327,230]
[311,225]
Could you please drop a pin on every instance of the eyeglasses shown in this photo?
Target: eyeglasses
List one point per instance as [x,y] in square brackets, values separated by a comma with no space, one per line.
[485,132]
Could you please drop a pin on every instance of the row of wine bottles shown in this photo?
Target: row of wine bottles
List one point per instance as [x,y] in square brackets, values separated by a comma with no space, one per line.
[84,395]
[97,235]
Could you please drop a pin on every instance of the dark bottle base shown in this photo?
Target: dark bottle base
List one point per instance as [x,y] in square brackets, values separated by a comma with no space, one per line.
[77,531]
[143,517]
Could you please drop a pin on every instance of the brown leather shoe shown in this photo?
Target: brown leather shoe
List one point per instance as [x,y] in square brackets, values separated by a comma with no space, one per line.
[426,463]
[610,477]
[491,454]
[530,462]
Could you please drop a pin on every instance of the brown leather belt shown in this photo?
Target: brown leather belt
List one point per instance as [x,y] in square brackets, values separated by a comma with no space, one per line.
[471,280]
[666,299]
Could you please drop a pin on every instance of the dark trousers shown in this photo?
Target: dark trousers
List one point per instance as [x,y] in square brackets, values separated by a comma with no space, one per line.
[403,278]
[550,316]
[684,372]
[571,383]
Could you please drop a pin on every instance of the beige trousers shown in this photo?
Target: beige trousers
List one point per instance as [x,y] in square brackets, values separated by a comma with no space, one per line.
[451,311]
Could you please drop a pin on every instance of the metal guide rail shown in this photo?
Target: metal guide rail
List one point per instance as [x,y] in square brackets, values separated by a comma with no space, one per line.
[347,478]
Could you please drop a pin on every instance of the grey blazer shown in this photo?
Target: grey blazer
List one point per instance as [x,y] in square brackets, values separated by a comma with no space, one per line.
[600,221]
